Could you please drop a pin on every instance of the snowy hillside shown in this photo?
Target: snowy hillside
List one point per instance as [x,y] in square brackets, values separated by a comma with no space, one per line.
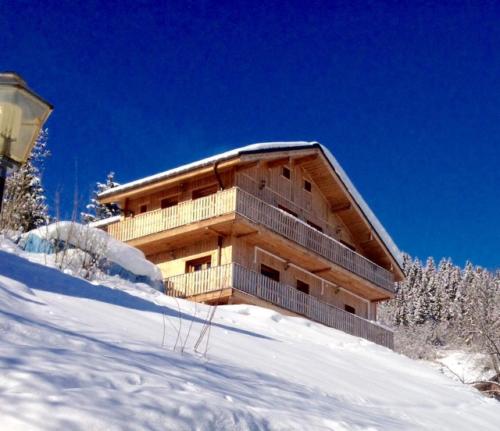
[79,356]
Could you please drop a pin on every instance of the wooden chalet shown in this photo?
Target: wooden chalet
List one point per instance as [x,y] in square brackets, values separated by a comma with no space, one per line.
[278,225]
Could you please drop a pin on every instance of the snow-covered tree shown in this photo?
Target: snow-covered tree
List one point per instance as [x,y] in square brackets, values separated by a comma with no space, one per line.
[448,306]
[96,210]
[25,206]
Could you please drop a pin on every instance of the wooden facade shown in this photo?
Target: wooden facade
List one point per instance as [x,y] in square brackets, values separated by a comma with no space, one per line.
[278,228]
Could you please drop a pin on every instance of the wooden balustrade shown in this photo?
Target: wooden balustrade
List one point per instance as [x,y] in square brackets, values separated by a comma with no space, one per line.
[198,282]
[279,294]
[295,229]
[257,211]
[178,215]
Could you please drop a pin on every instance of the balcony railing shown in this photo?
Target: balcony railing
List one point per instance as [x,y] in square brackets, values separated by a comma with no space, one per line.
[246,205]
[184,213]
[239,278]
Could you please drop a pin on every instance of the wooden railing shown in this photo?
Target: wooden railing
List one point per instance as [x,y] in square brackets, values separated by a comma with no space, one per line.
[257,211]
[295,229]
[178,215]
[250,282]
[198,282]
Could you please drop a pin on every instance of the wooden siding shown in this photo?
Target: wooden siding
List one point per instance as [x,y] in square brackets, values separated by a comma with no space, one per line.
[309,206]
[237,277]
[174,261]
[181,191]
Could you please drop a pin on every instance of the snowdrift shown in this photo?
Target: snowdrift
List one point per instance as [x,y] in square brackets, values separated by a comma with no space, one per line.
[121,356]
[116,258]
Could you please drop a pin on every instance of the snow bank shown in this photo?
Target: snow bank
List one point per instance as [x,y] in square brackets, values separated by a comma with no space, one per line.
[94,241]
[79,356]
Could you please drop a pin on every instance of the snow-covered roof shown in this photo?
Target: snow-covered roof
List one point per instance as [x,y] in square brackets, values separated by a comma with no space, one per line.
[105,221]
[267,147]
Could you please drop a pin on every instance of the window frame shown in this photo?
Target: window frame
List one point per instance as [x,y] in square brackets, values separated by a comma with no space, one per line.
[270,270]
[302,286]
[288,171]
[288,211]
[198,264]
[349,309]
[314,226]
[203,192]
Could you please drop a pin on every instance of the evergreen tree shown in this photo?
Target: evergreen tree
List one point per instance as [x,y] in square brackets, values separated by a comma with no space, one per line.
[96,210]
[432,309]
[25,207]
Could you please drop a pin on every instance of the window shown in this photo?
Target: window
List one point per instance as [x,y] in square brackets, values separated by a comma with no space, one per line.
[199,264]
[168,202]
[307,186]
[285,172]
[303,287]
[205,191]
[349,309]
[281,207]
[314,225]
[143,208]
[270,272]
[348,245]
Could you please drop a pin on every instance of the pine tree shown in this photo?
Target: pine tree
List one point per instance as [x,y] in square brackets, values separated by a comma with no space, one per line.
[25,207]
[96,210]
[432,309]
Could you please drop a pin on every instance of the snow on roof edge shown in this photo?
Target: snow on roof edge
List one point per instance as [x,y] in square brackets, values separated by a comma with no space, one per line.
[273,146]
[206,161]
[367,211]
[105,221]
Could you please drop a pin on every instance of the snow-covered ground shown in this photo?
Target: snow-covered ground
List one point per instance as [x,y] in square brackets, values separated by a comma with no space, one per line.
[466,367]
[81,356]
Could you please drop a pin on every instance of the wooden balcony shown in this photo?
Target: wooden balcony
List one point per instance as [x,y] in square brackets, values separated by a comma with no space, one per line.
[222,280]
[243,204]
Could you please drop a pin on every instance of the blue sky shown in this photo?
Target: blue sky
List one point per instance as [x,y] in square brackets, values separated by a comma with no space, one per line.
[405,95]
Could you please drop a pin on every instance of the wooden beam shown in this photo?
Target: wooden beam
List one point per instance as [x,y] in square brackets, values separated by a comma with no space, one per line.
[300,160]
[341,207]
[368,239]
[247,166]
[243,235]
[210,228]
[278,162]
[320,271]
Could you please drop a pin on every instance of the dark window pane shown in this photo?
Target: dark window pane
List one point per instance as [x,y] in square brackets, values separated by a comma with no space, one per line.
[314,225]
[199,264]
[303,287]
[168,202]
[307,186]
[281,207]
[205,191]
[286,172]
[270,272]
[348,245]
[349,309]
